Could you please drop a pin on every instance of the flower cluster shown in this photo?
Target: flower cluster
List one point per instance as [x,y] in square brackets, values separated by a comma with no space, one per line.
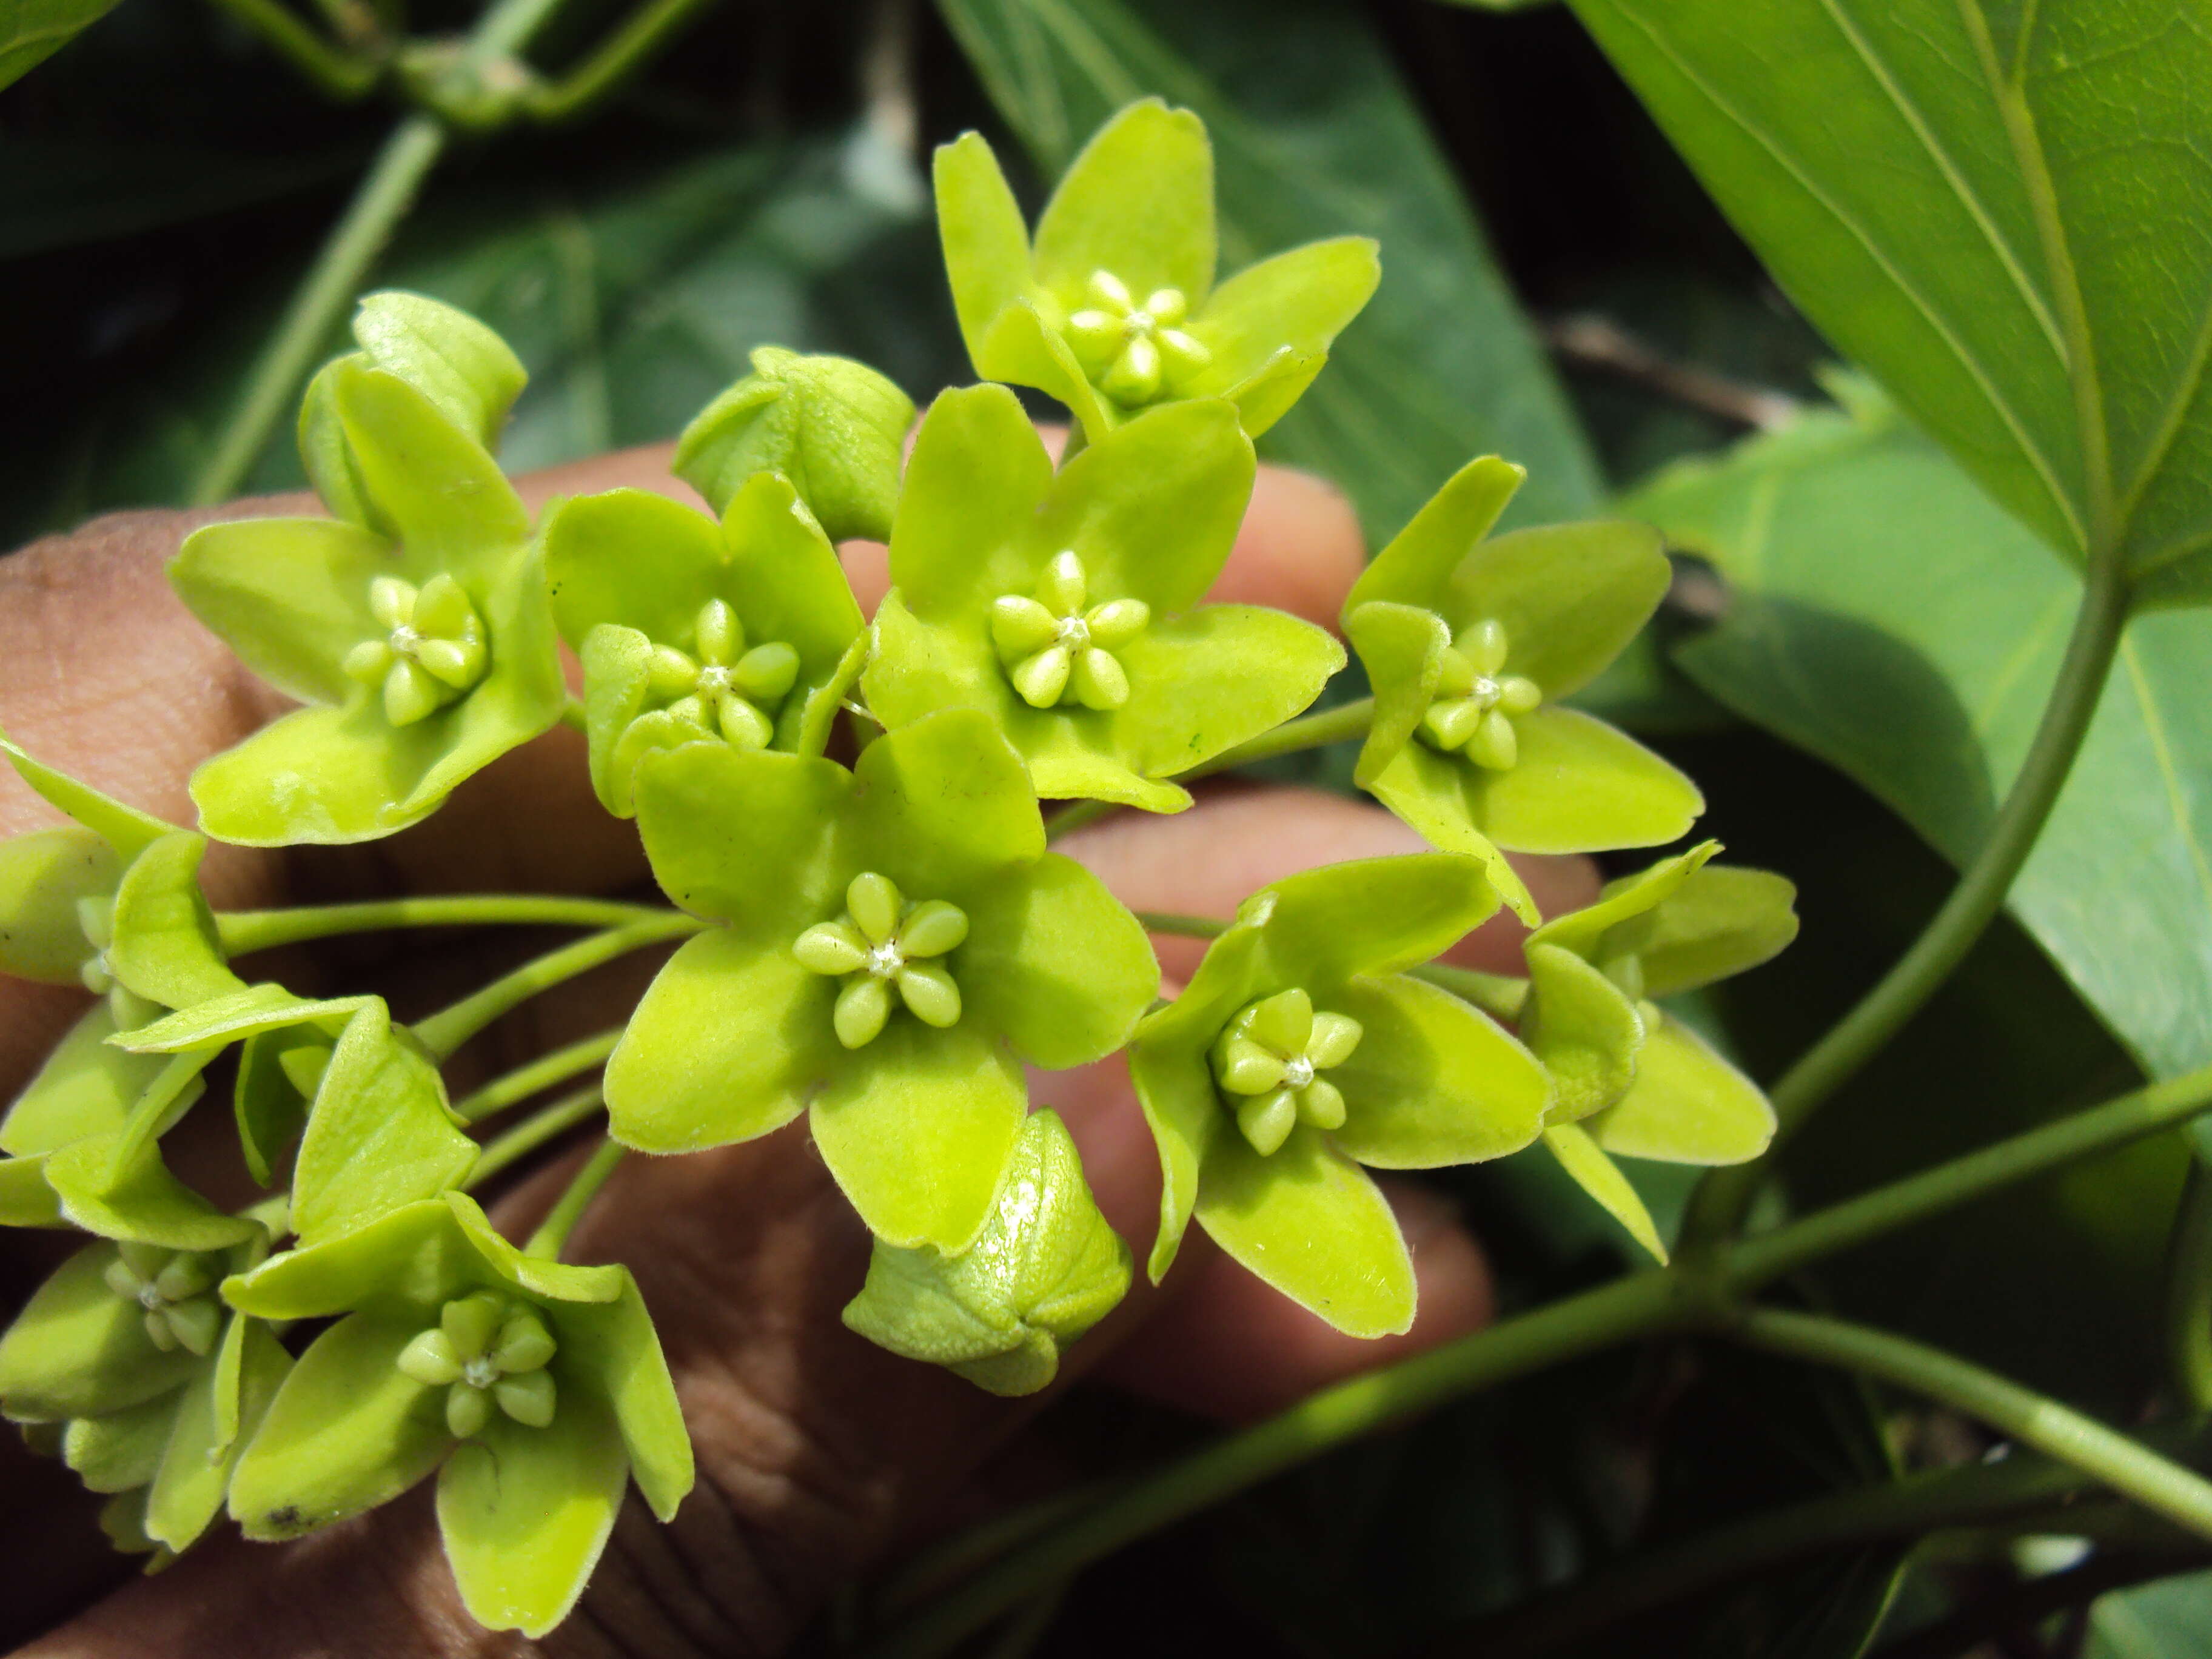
[849,815]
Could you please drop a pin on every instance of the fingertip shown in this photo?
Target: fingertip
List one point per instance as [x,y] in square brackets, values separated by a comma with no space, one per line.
[1299,548]
[1225,1346]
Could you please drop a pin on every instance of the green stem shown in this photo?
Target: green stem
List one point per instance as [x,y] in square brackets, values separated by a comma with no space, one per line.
[560,1220]
[244,932]
[384,196]
[2131,1118]
[1975,1494]
[2189,1292]
[1346,720]
[1696,1289]
[340,74]
[1612,1313]
[540,1073]
[445,1031]
[637,40]
[2127,1466]
[547,1123]
[1723,1199]
[573,717]
[1167,921]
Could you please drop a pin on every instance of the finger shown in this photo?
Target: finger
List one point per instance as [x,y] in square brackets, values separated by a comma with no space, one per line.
[1202,862]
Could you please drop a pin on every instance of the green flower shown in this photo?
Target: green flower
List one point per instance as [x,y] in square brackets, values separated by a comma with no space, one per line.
[1044,1270]
[832,426]
[1628,1078]
[360,1093]
[1114,310]
[1469,644]
[153,1384]
[416,623]
[536,1390]
[1299,1052]
[111,902]
[1066,604]
[895,940]
[690,630]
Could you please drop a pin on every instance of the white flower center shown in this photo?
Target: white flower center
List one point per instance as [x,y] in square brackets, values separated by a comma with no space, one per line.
[150,1299]
[404,641]
[480,1372]
[1298,1073]
[884,961]
[713,680]
[1074,632]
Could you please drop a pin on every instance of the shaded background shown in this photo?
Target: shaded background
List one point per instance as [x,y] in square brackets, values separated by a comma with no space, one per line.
[1552,272]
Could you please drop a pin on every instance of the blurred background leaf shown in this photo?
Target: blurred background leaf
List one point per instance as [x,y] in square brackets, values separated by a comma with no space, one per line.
[1955,193]
[31,31]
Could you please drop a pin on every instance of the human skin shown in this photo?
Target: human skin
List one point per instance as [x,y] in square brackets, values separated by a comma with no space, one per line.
[820,1456]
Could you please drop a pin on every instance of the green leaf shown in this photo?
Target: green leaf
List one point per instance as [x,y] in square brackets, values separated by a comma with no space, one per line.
[1433,1082]
[125,828]
[136,1198]
[1721,922]
[1890,621]
[723,1046]
[1586,1032]
[832,426]
[380,1133]
[122,1450]
[224,1403]
[44,875]
[2170,1618]
[468,373]
[1956,194]
[85,1087]
[1368,915]
[524,1513]
[1600,1178]
[33,30]
[1315,136]
[1309,1221]
[917,1128]
[26,1198]
[165,949]
[1578,785]
[614,1343]
[348,1430]
[1044,1270]
[290,596]
[79,1350]
[1058,963]
[1687,1105]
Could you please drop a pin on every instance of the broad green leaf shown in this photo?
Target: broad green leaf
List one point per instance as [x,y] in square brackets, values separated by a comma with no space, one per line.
[1687,1105]
[2170,1618]
[917,1128]
[85,1087]
[44,875]
[1584,1031]
[165,949]
[32,30]
[1959,195]
[1600,1178]
[1314,136]
[1309,1221]
[1054,961]
[1433,1082]
[616,1344]
[290,596]
[349,1430]
[525,1512]
[380,1133]
[79,1350]
[123,1449]
[1889,620]
[224,1402]
[1045,1269]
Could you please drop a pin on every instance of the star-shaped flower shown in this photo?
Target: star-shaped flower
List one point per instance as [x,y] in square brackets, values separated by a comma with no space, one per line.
[895,940]
[414,623]
[1066,604]
[1469,644]
[1301,1051]
[1113,309]
[151,1383]
[536,1390]
[689,629]
[112,902]
[1628,1078]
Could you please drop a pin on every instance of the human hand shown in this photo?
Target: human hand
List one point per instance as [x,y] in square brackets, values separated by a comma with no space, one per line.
[818,1453]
